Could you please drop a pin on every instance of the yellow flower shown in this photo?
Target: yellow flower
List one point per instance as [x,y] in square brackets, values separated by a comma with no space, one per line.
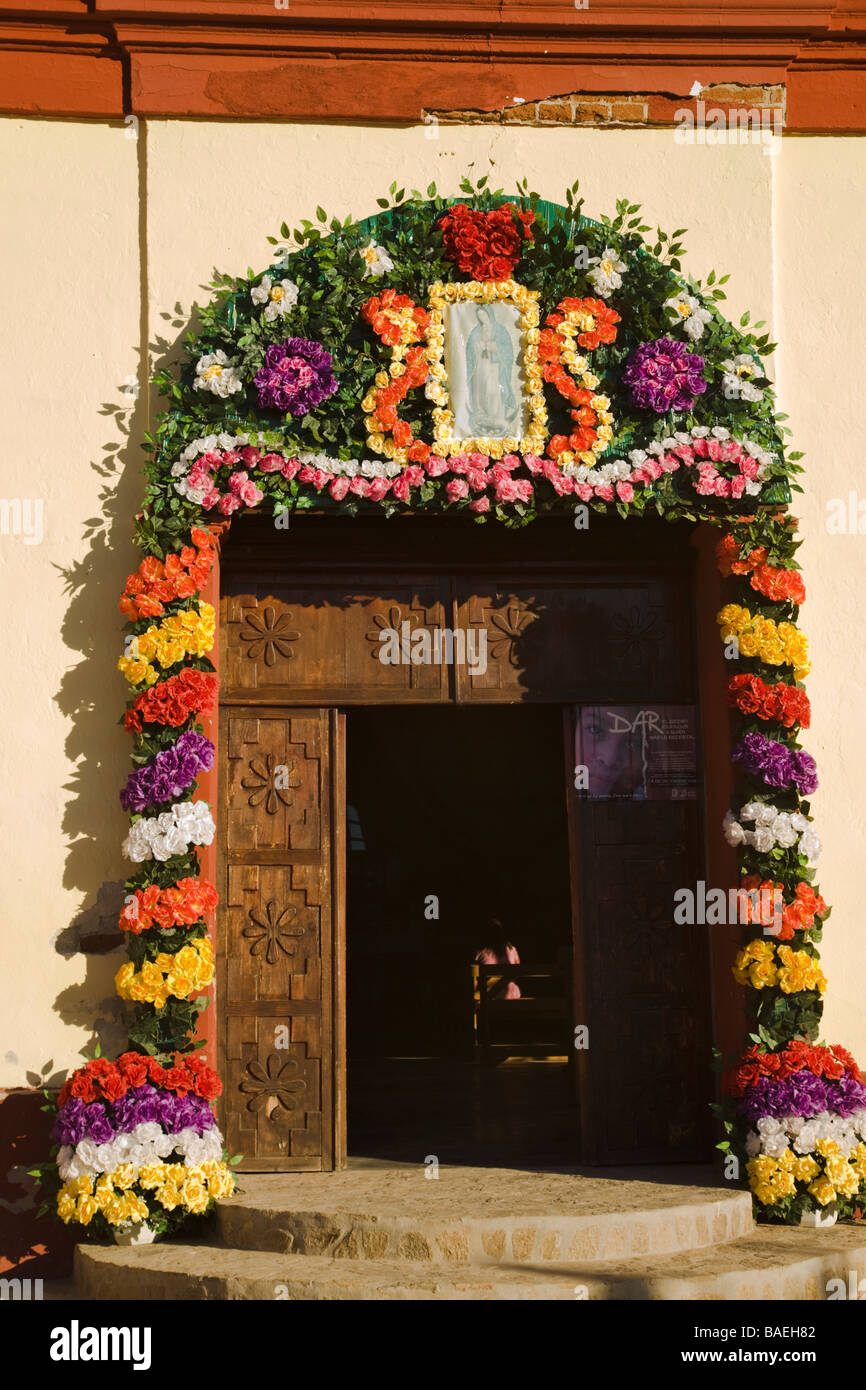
[115,1211]
[168,1197]
[65,1207]
[86,1210]
[805,1169]
[135,1209]
[195,1194]
[124,1176]
[822,1190]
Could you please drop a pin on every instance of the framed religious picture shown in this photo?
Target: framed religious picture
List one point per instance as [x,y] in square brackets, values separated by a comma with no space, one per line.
[485,379]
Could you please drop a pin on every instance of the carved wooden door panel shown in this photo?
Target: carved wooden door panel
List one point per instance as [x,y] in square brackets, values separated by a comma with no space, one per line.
[642,983]
[280,936]
[568,637]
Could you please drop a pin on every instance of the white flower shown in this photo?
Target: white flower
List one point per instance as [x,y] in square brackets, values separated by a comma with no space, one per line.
[763,839]
[217,373]
[750,810]
[172,832]
[782,830]
[776,1145]
[766,813]
[810,845]
[689,312]
[736,380]
[280,298]
[768,1125]
[376,260]
[607,273]
[799,822]
[733,831]
[753,1144]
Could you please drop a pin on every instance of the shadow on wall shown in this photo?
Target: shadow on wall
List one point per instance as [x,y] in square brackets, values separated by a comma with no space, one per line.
[92,698]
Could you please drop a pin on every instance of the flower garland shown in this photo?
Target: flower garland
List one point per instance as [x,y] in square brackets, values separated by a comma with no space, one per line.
[589,322]
[138,1143]
[179,975]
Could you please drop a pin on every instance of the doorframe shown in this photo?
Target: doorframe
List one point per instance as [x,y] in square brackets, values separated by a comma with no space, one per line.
[726,1006]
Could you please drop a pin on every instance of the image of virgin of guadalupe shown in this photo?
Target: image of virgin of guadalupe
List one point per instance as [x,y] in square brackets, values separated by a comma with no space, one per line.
[493,408]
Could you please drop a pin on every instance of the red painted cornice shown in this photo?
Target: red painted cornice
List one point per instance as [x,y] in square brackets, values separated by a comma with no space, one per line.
[392,60]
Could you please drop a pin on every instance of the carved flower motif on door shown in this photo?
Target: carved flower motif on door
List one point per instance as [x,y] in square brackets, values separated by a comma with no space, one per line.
[271,783]
[637,635]
[273,927]
[274,1086]
[384,622]
[512,625]
[269,635]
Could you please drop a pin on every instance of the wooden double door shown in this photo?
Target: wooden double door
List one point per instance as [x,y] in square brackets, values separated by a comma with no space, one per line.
[301,623]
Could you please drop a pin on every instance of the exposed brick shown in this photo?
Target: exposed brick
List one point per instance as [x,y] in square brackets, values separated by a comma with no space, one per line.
[741,96]
[524,114]
[557,111]
[591,112]
[633,109]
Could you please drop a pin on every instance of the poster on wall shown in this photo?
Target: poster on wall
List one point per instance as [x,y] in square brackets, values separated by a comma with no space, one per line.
[636,752]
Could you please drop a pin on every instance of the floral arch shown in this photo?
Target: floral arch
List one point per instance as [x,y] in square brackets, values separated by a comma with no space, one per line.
[502,357]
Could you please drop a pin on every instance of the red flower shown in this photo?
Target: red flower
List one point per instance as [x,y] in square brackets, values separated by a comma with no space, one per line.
[486,245]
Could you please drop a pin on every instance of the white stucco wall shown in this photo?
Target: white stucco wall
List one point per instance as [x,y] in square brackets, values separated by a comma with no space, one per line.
[106,235]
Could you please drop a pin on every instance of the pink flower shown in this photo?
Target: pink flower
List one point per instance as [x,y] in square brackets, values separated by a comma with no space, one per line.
[524,488]
[456,489]
[436,466]
[236,482]
[506,490]
[651,467]
[459,463]
[321,478]
[510,462]
[414,475]
[738,487]
[605,491]
[359,487]
[289,468]
[306,473]
[229,504]
[230,458]
[338,488]
[625,492]
[270,463]
[481,504]
[478,479]
[533,463]
[377,489]
[584,491]
[210,499]
[251,456]
[400,488]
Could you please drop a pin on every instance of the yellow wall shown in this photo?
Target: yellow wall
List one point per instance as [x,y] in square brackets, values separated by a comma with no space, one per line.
[109,234]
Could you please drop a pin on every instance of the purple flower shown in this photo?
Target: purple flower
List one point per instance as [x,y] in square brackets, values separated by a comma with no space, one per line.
[802,1094]
[140,1105]
[99,1126]
[663,376]
[776,763]
[296,376]
[168,774]
[69,1126]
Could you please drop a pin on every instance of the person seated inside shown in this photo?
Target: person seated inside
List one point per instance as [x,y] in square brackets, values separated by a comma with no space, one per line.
[502,953]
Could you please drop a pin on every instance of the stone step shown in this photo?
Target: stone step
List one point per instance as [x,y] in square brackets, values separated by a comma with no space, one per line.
[475,1215]
[770,1264]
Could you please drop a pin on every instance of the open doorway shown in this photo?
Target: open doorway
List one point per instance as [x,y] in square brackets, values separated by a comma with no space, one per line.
[457,840]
